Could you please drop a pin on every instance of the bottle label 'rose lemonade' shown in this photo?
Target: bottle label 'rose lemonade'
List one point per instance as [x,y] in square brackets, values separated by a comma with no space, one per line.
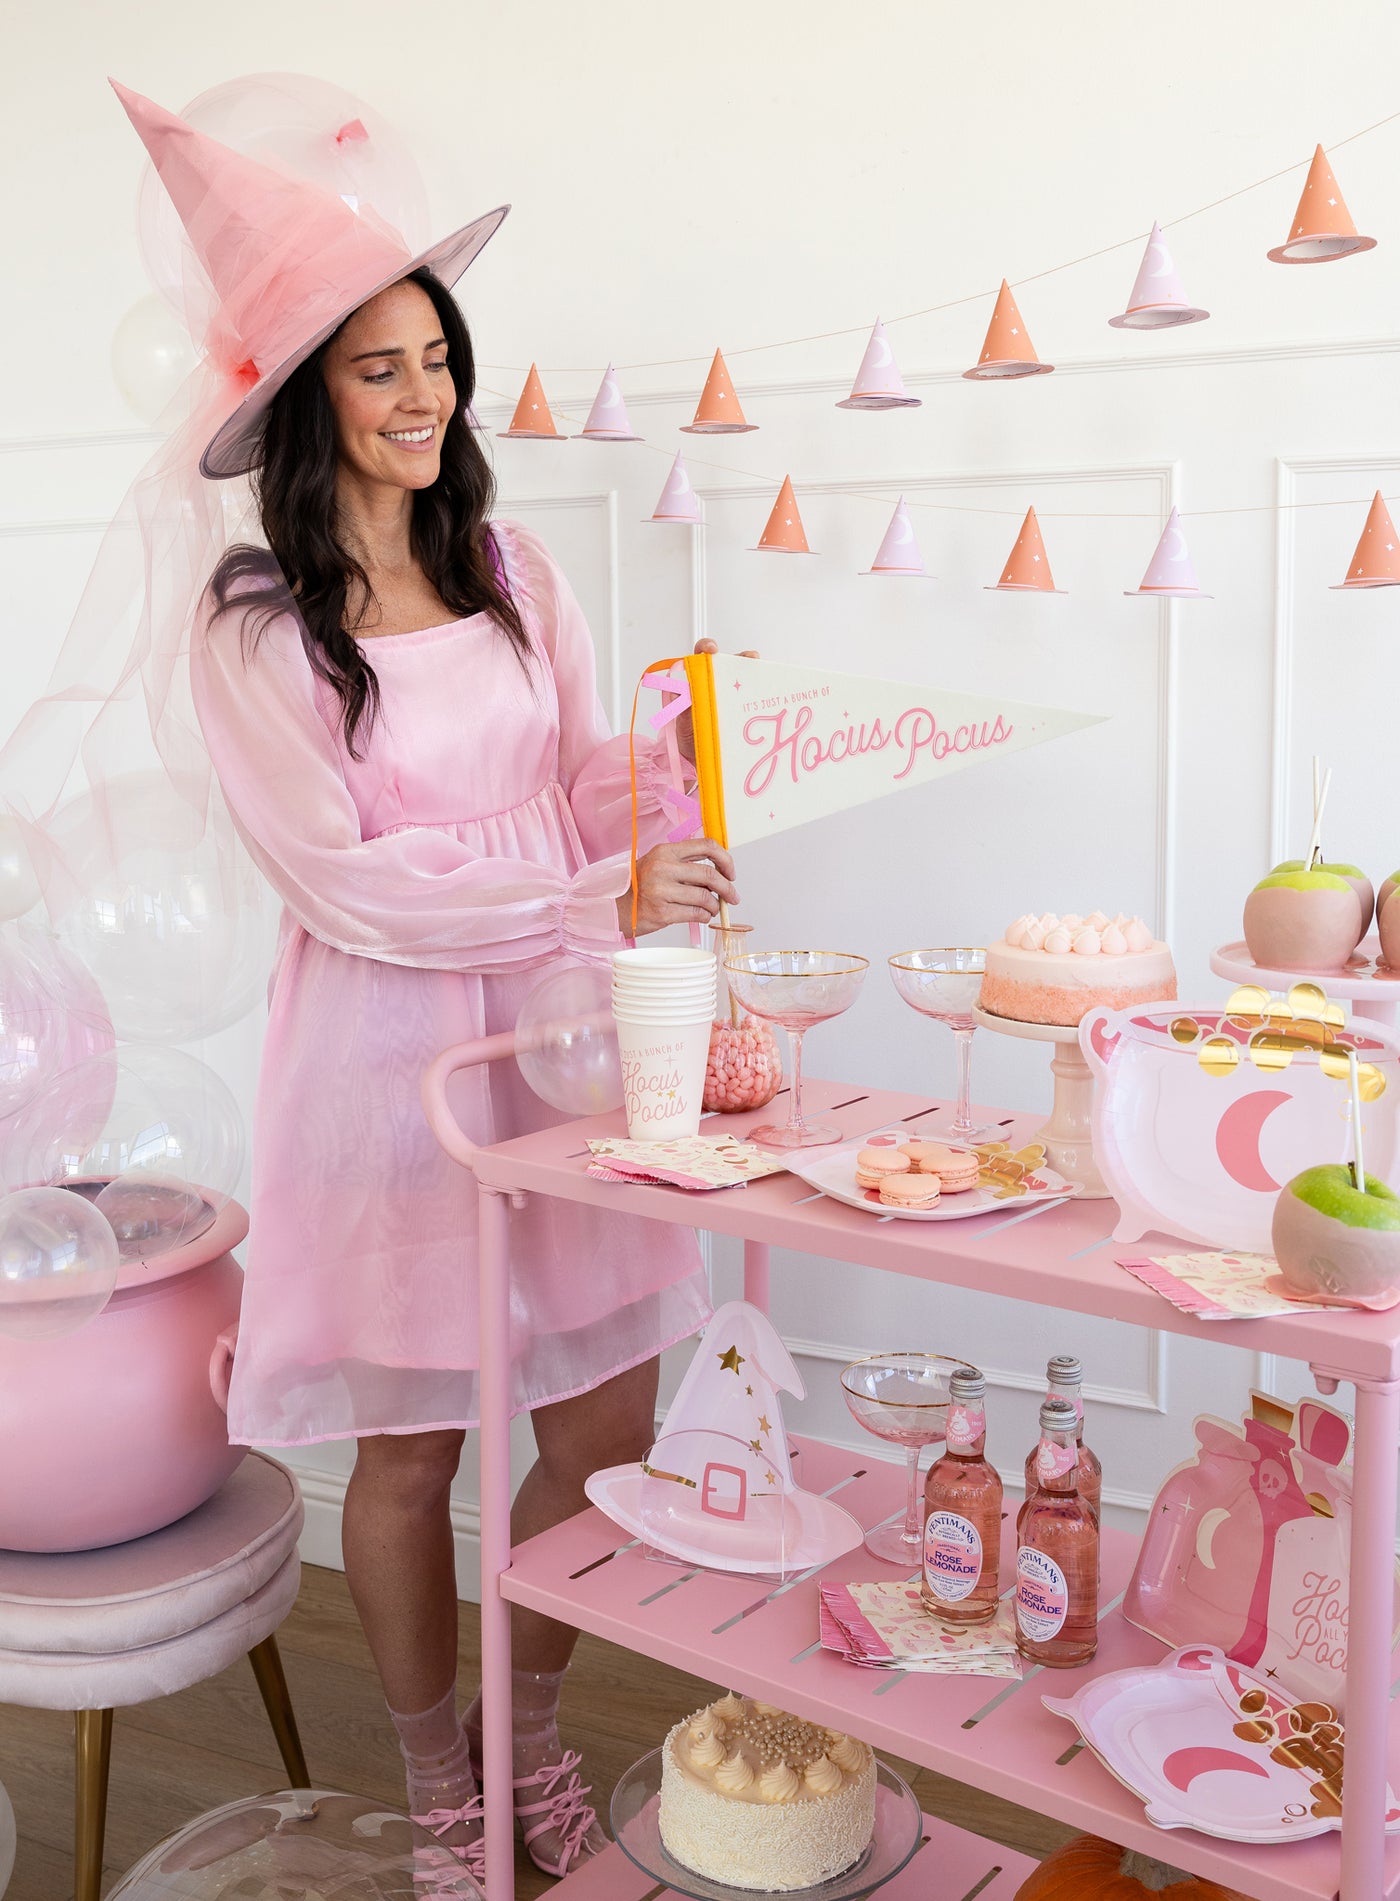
[962,1512]
[1057,1560]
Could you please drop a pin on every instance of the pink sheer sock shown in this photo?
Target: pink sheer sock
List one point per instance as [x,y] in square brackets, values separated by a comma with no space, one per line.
[561,1826]
[442,1791]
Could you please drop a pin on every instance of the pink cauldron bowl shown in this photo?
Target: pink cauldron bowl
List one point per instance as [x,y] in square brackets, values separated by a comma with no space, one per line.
[119,1428]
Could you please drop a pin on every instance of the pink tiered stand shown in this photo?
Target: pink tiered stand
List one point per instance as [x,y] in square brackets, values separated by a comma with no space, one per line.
[734,1631]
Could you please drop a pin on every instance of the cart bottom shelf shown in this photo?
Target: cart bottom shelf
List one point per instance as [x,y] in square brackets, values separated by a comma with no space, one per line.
[949,1862]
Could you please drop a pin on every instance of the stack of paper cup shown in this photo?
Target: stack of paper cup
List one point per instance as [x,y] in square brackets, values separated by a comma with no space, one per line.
[664,1004]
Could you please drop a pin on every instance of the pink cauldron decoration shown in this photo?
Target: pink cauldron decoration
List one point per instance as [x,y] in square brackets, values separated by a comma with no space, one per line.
[119,1428]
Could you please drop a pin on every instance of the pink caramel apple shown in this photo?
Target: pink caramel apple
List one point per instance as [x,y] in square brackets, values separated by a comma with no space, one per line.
[1383,895]
[1388,918]
[1330,1237]
[1302,920]
[1354,876]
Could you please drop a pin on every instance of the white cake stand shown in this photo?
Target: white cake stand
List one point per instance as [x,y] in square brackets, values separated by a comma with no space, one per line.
[1371,987]
[1068,1135]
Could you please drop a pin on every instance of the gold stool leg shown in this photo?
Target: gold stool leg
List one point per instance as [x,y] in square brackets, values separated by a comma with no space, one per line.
[267,1668]
[94,1754]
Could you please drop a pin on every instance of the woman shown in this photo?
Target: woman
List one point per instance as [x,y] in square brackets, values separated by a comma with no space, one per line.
[399,702]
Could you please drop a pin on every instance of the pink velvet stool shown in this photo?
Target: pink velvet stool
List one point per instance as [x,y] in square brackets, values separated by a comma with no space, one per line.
[89,1631]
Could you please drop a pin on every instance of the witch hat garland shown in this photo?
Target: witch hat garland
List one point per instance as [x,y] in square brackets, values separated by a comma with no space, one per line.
[784,533]
[718,412]
[1158,301]
[878,383]
[608,420]
[532,419]
[677,500]
[1007,351]
[1027,569]
[1376,562]
[1170,575]
[1322,229]
[899,551]
[717,1487]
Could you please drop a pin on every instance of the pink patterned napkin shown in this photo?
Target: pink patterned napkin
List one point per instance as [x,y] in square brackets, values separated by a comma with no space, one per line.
[1221,1286]
[688,1161]
[885,1626]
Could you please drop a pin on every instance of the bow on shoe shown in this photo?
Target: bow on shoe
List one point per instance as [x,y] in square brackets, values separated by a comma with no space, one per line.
[564,1809]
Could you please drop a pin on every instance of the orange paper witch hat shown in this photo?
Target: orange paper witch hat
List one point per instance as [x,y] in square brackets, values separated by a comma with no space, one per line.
[784,533]
[1376,562]
[1322,226]
[1008,351]
[1027,570]
[718,412]
[532,417]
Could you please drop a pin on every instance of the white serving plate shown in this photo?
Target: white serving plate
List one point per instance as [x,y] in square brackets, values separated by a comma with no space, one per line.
[833,1171]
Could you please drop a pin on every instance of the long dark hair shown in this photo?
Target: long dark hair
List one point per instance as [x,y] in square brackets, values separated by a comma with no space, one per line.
[308,565]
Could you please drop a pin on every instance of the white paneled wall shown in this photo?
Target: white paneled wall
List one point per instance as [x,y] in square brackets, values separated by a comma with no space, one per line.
[681,183]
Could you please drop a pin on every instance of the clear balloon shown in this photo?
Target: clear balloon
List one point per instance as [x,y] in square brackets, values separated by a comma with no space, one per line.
[31,1026]
[58,1263]
[168,913]
[151,357]
[135,1120]
[19,882]
[566,1041]
[150,1215]
[303,1842]
[85,1018]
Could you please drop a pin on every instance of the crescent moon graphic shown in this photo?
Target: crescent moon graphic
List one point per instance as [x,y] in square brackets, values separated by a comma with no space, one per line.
[680,482]
[1205,1534]
[886,357]
[1162,258]
[1183,1765]
[901,531]
[1237,1140]
[1174,543]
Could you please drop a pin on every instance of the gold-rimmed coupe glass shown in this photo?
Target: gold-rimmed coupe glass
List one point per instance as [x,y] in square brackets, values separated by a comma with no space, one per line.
[796,988]
[902,1398]
[945,984]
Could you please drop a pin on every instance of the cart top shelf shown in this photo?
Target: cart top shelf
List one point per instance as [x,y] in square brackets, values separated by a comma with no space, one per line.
[1057,1256]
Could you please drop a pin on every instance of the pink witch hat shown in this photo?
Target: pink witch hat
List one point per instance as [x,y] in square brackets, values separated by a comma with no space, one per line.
[717,1488]
[677,500]
[1376,562]
[899,551]
[878,383]
[608,420]
[1158,301]
[287,260]
[1169,572]
[1027,569]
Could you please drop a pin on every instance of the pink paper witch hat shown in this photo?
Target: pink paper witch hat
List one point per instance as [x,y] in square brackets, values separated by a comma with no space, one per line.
[532,418]
[474,421]
[784,533]
[1158,301]
[677,500]
[608,420]
[1027,569]
[899,551]
[1322,227]
[878,383]
[717,1487]
[1376,562]
[1169,572]
[1008,351]
[287,261]
[718,412]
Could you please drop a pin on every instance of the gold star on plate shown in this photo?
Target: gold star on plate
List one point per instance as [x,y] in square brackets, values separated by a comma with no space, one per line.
[754,1446]
[749,1391]
[732,1361]
[771,1477]
[763,1424]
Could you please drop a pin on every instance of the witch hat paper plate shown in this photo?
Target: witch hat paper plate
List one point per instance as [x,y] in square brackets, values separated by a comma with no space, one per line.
[677,500]
[784,533]
[1007,351]
[717,1487]
[878,383]
[1376,562]
[532,417]
[1170,575]
[608,420]
[1322,228]
[1027,569]
[899,552]
[718,413]
[1158,301]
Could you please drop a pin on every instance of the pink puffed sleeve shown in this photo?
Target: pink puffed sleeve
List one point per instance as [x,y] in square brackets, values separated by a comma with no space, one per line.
[411,897]
[593,766]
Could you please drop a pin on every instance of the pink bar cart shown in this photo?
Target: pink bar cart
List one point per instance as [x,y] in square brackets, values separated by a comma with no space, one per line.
[762,1640]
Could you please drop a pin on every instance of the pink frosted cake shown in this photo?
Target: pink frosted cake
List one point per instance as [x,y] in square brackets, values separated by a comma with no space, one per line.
[1056,969]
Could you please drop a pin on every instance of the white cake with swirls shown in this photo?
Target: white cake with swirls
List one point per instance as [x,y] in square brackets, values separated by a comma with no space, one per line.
[1057,969]
[758,1799]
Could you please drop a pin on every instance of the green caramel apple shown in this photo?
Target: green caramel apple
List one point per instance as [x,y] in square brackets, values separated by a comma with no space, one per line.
[1354,876]
[1331,1237]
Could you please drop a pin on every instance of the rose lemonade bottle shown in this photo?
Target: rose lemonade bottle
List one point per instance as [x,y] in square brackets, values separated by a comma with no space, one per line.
[1064,1377]
[962,1512]
[1057,1563]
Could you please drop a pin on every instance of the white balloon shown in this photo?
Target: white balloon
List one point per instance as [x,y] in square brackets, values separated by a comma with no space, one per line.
[151,357]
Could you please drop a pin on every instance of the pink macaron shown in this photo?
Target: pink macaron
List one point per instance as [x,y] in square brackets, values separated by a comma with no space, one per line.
[875,1166]
[915,1193]
[956,1169]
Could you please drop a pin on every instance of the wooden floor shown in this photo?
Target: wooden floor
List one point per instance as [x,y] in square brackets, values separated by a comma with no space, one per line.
[173,1759]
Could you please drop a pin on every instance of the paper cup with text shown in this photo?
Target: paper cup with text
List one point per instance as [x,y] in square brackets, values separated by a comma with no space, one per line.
[663,1072]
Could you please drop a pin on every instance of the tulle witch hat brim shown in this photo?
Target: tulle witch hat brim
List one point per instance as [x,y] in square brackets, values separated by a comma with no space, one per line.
[288,261]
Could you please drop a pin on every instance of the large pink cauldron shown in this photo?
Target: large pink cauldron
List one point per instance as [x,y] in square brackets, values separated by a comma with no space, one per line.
[119,1428]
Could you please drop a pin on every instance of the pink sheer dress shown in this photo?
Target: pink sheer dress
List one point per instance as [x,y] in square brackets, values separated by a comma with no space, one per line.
[427,887]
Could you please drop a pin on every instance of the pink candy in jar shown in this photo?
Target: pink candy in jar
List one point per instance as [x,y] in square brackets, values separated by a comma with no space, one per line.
[744,1069]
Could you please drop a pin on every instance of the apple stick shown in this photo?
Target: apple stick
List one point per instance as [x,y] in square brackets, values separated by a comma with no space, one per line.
[1317,801]
[1358,1167]
[1315,841]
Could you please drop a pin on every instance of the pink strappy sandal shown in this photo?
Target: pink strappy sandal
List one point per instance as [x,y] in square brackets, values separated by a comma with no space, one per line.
[564,1810]
[469,1855]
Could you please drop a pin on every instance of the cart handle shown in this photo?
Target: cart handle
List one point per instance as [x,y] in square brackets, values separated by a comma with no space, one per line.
[444,1125]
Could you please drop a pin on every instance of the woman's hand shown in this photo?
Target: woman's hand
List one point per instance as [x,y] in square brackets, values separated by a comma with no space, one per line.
[685,725]
[679,884]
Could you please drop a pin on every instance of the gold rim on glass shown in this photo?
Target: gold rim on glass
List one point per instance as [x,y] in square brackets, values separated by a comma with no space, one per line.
[897,962]
[908,1353]
[745,958]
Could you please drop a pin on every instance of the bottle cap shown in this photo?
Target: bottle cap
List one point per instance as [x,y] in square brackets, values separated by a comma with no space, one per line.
[967,1383]
[1066,1369]
[1057,1415]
